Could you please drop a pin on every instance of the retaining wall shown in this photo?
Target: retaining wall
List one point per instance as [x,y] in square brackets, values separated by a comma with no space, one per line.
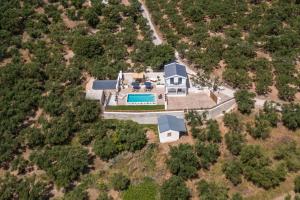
[151,117]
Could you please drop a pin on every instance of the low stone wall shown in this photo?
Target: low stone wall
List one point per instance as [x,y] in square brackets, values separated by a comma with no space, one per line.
[151,117]
[221,108]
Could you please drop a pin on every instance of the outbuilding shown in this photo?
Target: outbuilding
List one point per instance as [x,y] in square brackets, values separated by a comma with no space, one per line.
[170,128]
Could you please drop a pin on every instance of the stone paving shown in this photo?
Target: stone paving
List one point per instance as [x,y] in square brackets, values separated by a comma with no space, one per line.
[193,101]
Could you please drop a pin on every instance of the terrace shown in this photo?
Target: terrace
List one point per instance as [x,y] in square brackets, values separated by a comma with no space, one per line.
[195,100]
[141,83]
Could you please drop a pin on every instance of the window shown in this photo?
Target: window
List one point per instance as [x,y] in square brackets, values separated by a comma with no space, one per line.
[179,81]
[169,134]
[172,80]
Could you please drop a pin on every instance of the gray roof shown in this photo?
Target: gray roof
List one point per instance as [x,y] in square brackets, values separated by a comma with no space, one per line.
[104,84]
[175,69]
[169,122]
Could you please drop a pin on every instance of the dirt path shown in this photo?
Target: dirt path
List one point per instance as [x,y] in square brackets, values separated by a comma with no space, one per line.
[292,193]
[157,40]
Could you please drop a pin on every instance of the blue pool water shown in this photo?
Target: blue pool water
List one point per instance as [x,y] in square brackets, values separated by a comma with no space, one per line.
[141,98]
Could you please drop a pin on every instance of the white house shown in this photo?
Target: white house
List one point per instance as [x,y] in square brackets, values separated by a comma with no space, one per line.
[170,128]
[175,79]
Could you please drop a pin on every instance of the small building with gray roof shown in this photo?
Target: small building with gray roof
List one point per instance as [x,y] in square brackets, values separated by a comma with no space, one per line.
[170,128]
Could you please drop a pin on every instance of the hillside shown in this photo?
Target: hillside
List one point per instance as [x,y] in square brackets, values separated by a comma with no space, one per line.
[55,144]
[248,44]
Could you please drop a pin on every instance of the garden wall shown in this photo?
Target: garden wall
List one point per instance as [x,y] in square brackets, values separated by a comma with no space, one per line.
[151,117]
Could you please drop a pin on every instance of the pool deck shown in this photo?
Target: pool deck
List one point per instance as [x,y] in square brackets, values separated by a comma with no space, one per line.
[122,97]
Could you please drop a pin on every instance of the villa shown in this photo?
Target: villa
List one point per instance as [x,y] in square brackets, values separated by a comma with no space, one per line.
[172,89]
[176,79]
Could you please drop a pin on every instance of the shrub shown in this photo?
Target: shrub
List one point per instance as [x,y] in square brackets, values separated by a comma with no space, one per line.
[297,184]
[234,142]
[62,163]
[183,161]
[261,129]
[174,188]
[120,181]
[208,154]
[291,116]
[232,121]
[211,190]
[87,46]
[244,101]
[233,171]
[146,190]
[237,196]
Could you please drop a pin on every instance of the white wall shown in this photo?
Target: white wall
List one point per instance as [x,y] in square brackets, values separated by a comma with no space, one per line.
[163,137]
[168,81]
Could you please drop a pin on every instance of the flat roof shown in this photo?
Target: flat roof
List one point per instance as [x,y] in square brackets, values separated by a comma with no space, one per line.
[104,85]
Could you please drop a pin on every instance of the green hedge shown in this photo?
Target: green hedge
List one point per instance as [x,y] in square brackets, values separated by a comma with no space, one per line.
[136,108]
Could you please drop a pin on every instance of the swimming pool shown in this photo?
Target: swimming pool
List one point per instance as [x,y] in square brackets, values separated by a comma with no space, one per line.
[141,99]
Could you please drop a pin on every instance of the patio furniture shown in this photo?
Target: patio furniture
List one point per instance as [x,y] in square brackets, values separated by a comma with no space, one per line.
[135,86]
[148,86]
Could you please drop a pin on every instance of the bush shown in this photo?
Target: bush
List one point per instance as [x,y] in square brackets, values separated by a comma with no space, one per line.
[261,129]
[211,190]
[288,151]
[208,154]
[297,184]
[62,163]
[234,142]
[26,188]
[244,101]
[120,181]
[183,161]
[233,121]
[87,46]
[174,188]
[256,168]
[291,116]
[146,190]
[233,171]
[213,131]
[91,17]
[237,196]
[123,136]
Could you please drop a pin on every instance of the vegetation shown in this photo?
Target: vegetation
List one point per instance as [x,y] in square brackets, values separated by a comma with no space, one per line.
[120,136]
[146,190]
[211,190]
[52,139]
[183,161]
[119,181]
[258,48]
[62,163]
[174,188]
[136,108]
[297,184]
[244,101]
